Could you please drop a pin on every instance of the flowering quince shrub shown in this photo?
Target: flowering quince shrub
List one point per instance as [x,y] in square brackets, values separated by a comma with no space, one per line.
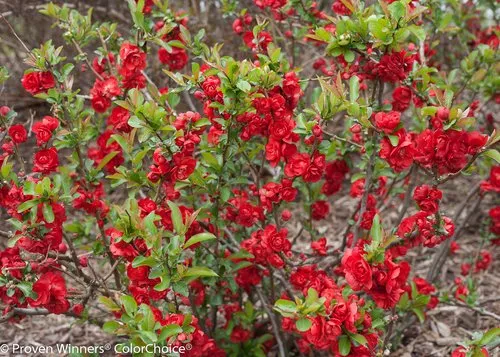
[189,226]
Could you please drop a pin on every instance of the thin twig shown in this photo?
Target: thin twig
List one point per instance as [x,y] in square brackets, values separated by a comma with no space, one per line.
[272,317]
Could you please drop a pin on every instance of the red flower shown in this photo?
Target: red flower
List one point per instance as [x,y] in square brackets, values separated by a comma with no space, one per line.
[401,98]
[102,93]
[211,86]
[483,261]
[334,175]
[118,119]
[291,88]
[387,122]
[427,198]
[46,161]
[493,183]
[133,59]
[38,82]
[340,9]
[315,170]
[358,272]
[99,65]
[297,165]
[261,42]
[320,210]
[183,168]
[43,129]
[175,60]
[400,157]
[273,4]
[394,67]
[239,335]
[319,246]
[51,293]
[18,134]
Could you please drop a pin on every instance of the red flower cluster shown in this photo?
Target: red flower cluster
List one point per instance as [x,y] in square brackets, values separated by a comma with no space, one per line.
[257,43]
[141,287]
[274,193]
[241,23]
[44,129]
[400,156]
[447,150]
[38,82]
[427,198]
[18,134]
[46,160]
[102,92]
[335,173]
[175,57]
[394,67]
[133,61]
[301,164]
[241,211]
[267,245]
[387,122]
[107,146]
[273,4]
[385,282]
[425,288]
[342,313]
[422,228]
[201,345]
[339,8]
[493,183]
[118,119]
[401,98]
[51,293]
[320,210]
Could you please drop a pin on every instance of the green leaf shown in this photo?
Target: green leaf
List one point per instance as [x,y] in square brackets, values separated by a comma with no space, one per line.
[163,285]
[285,305]
[419,32]
[489,336]
[397,10]
[376,231]
[303,324]
[135,122]
[359,339]
[110,304]
[420,314]
[344,345]
[121,141]
[494,154]
[27,205]
[141,260]
[244,86]
[106,159]
[176,217]
[6,168]
[48,213]
[354,88]
[199,272]
[129,304]
[169,331]
[428,111]
[149,223]
[110,326]
[67,68]
[349,56]
[26,289]
[29,188]
[394,139]
[200,237]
